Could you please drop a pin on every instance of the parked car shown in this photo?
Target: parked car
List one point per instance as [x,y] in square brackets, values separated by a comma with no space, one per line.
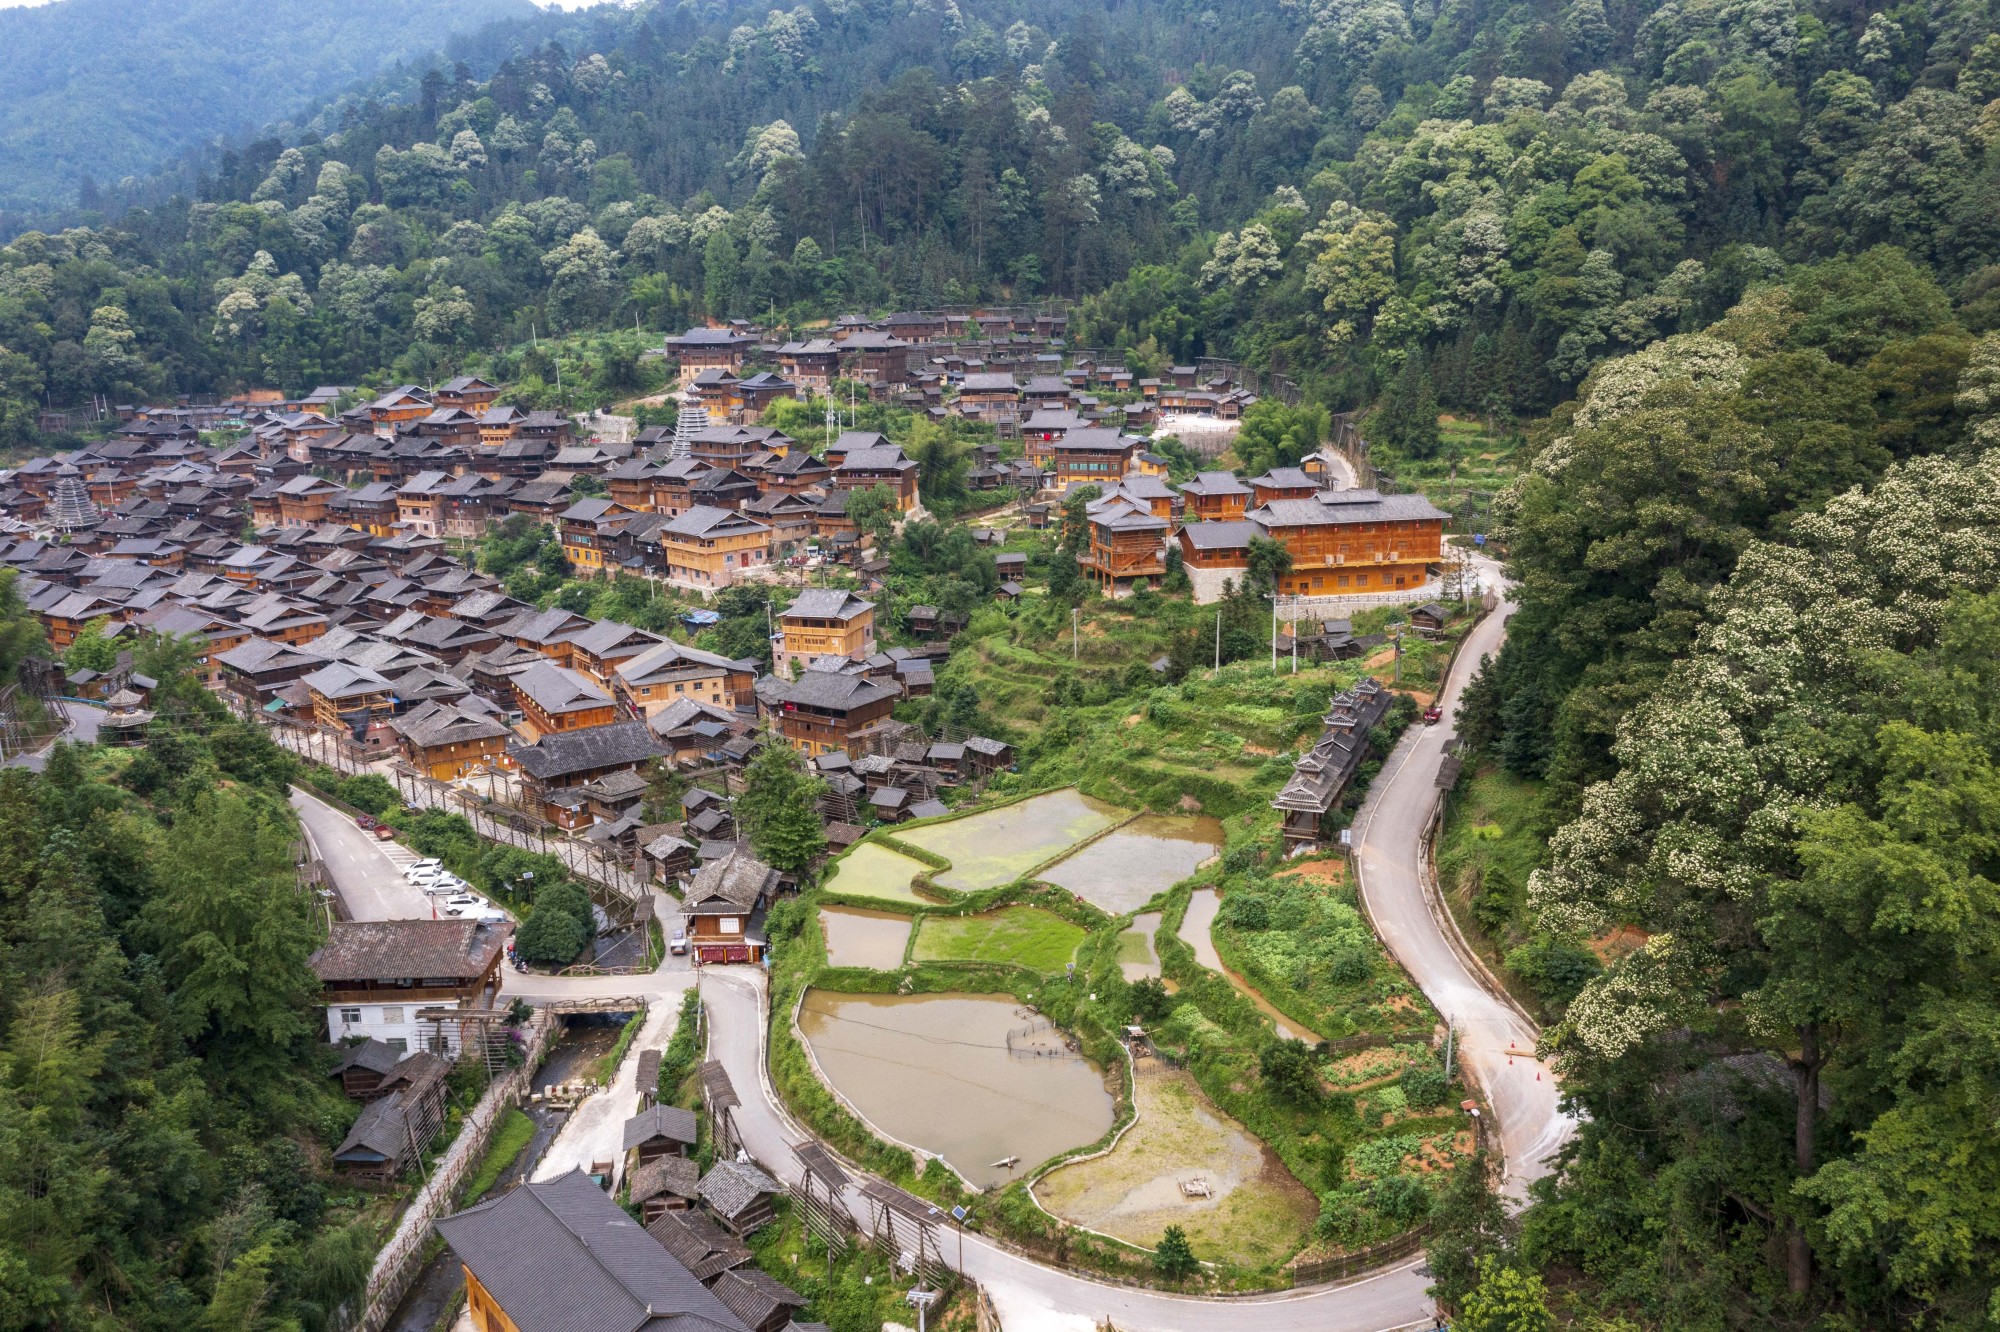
[1432,714]
[430,867]
[465,900]
[366,823]
[679,943]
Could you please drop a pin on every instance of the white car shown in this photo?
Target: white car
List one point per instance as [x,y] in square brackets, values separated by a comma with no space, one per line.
[465,900]
[422,867]
[442,889]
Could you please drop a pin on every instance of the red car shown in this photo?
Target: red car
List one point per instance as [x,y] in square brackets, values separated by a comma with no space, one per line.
[366,823]
[1433,714]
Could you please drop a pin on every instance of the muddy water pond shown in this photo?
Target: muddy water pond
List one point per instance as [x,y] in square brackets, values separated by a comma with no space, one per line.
[1196,933]
[1122,870]
[998,846]
[857,938]
[975,1079]
[875,871]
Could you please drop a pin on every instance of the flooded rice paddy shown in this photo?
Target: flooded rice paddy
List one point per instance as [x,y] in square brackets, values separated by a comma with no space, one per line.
[1122,870]
[875,871]
[858,938]
[1137,957]
[1000,845]
[1195,930]
[976,1079]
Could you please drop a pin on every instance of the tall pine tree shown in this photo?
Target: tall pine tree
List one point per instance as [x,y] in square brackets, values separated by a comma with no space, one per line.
[776,807]
[1407,420]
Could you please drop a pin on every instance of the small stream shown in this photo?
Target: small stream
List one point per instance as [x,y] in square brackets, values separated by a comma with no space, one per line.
[442,1280]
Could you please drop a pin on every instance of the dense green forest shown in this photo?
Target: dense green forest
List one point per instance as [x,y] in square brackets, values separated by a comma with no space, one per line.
[164,1110]
[1505,194]
[1730,268]
[99,90]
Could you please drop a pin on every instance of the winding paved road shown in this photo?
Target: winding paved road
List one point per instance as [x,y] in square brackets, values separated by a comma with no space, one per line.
[1496,1040]
[1028,1296]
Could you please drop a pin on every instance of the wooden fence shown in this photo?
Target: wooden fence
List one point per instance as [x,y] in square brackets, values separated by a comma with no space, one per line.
[401,1260]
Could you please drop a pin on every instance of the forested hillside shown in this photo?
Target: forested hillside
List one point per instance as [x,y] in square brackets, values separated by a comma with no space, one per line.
[102,89]
[1728,269]
[163,1101]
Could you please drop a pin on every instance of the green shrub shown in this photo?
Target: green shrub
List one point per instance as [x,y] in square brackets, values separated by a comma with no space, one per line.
[1425,1086]
[1149,1000]
[1288,1069]
[1557,971]
[1247,911]
[1343,1216]
[1400,1199]
[1174,1258]
[1350,964]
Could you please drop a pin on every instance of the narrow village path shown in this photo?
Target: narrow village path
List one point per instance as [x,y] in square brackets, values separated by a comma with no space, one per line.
[1496,1041]
[1495,1038]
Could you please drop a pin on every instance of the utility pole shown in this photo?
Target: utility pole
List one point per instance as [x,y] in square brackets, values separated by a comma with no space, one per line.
[1075,614]
[1295,634]
[1274,633]
[1218,640]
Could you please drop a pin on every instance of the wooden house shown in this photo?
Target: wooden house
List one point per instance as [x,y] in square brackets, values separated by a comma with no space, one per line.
[376,977]
[446,743]
[660,1130]
[561,1254]
[702,349]
[824,622]
[706,547]
[812,365]
[739,1195]
[1126,542]
[555,700]
[664,1184]
[562,763]
[721,899]
[398,1123]
[822,711]
[1321,775]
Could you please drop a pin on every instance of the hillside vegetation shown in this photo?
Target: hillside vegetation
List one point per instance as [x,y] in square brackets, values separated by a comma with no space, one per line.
[103,89]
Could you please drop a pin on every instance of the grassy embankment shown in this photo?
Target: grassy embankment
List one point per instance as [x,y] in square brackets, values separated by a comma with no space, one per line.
[1472,465]
[1493,836]
[509,1140]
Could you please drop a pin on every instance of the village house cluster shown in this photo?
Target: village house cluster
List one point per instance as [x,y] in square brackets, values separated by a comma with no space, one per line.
[321,610]
[313,557]
[317,560]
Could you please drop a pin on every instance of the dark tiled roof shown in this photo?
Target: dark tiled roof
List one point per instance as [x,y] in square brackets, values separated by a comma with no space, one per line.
[732,1186]
[679,1176]
[755,1296]
[733,883]
[400,949]
[661,1121]
[700,1245]
[581,751]
[562,1257]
